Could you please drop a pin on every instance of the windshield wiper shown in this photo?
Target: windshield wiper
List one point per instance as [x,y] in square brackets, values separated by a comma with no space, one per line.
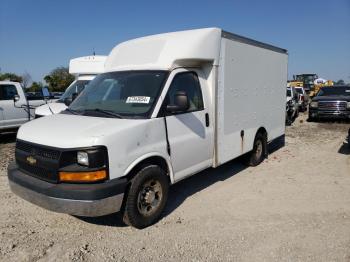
[74,112]
[106,112]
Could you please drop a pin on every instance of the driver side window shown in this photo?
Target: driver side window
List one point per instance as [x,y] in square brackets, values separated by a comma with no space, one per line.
[188,82]
[7,92]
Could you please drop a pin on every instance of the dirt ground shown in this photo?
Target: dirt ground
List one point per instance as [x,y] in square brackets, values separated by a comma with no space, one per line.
[293,207]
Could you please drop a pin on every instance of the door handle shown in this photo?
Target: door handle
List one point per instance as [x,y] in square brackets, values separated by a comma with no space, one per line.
[206,119]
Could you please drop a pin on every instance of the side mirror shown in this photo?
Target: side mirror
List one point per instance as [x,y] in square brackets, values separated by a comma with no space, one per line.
[67,101]
[15,98]
[74,96]
[180,103]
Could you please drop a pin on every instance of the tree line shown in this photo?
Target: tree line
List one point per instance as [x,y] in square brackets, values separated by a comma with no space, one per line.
[57,80]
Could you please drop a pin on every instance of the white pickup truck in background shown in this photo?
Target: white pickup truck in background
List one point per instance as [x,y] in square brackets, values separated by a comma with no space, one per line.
[14,114]
[167,107]
[84,69]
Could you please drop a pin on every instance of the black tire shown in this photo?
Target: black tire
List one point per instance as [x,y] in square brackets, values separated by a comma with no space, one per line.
[136,207]
[288,120]
[258,154]
[312,119]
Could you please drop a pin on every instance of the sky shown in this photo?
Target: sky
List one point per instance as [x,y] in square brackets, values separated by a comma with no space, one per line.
[38,36]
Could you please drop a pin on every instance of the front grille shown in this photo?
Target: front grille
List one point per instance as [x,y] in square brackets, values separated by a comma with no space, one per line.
[39,172]
[332,105]
[46,161]
[38,150]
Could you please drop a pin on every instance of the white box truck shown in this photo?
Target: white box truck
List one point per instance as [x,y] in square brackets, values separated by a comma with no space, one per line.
[167,107]
[84,69]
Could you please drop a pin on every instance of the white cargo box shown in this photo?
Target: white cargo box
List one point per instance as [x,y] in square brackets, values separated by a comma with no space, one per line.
[86,65]
[247,80]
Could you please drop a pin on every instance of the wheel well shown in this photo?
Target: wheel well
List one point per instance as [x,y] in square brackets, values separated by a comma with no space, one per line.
[154,160]
[262,130]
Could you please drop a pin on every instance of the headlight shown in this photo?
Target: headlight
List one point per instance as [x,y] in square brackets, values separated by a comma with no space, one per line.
[348,105]
[83,158]
[314,104]
[84,165]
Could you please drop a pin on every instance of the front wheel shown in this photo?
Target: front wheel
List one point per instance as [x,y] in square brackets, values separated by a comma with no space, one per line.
[147,197]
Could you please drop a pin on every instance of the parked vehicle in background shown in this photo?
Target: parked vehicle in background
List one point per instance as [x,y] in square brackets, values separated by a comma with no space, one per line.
[292,101]
[57,95]
[13,114]
[303,99]
[289,113]
[307,81]
[331,102]
[31,96]
[168,106]
[85,69]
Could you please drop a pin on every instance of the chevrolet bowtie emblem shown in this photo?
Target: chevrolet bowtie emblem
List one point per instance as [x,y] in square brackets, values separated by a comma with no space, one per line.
[31,160]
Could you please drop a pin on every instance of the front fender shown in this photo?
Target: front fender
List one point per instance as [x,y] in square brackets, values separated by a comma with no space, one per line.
[149,155]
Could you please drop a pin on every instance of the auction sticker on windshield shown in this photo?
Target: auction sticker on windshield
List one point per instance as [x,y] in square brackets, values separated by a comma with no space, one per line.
[138,99]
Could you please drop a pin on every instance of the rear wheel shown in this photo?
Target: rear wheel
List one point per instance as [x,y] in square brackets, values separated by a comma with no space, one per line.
[147,197]
[257,155]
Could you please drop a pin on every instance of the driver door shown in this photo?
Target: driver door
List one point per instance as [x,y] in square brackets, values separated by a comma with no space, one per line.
[13,116]
[189,133]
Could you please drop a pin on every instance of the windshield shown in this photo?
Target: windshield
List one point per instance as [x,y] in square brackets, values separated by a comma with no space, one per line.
[75,87]
[334,91]
[306,79]
[126,93]
[289,92]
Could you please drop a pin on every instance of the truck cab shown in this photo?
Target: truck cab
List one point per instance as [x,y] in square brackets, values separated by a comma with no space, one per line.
[11,117]
[14,114]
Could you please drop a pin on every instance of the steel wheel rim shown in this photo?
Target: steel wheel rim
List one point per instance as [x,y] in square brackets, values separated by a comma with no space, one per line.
[149,197]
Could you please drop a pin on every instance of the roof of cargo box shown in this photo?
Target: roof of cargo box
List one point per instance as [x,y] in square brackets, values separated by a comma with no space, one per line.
[86,65]
[169,50]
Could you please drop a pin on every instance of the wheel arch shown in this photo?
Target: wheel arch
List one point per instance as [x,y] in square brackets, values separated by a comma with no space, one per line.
[150,158]
[263,131]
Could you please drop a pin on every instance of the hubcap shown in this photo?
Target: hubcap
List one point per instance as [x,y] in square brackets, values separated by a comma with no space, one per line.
[150,197]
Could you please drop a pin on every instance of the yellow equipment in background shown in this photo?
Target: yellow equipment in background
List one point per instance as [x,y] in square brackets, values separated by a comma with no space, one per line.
[307,80]
[310,82]
[294,83]
[318,84]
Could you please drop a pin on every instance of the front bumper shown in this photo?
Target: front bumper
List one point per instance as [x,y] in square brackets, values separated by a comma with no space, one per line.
[317,113]
[89,200]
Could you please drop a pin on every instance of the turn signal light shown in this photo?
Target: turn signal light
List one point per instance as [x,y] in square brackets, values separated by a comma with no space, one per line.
[93,176]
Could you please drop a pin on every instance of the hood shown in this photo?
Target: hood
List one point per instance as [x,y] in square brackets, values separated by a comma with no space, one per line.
[44,110]
[331,98]
[70,131]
